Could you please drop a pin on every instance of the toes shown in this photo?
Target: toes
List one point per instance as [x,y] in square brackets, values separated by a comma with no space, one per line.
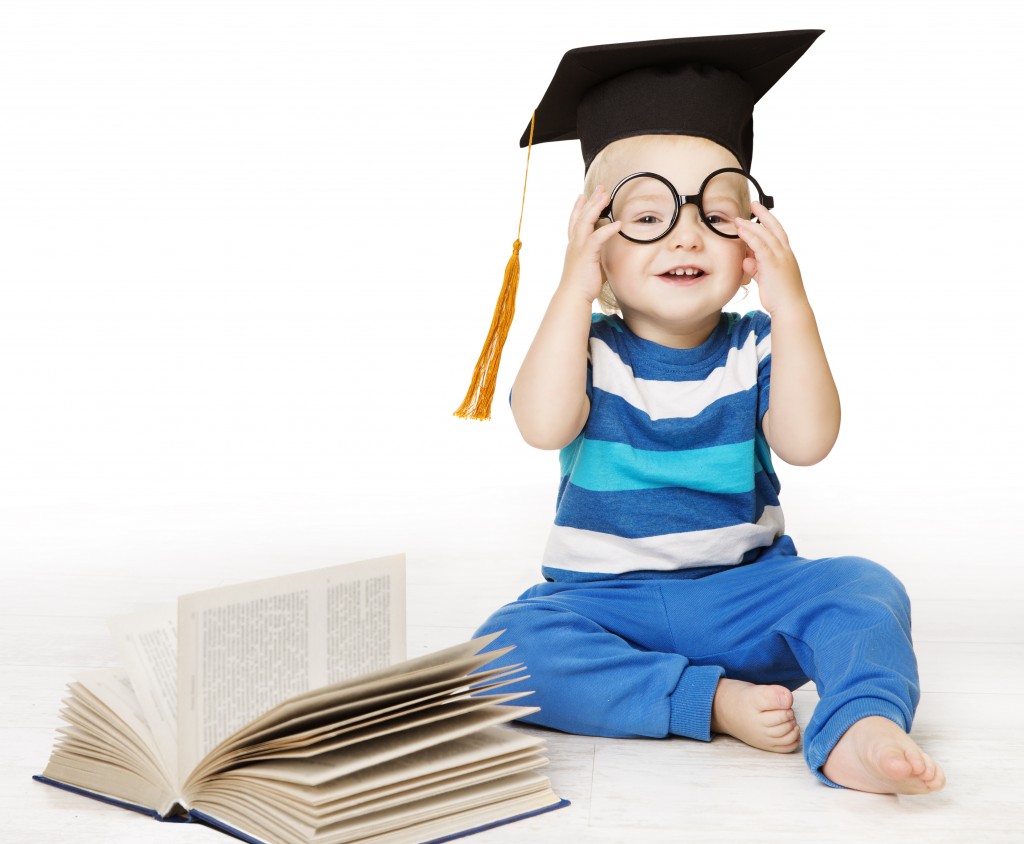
[777,717]
[917,763]
[783,696]
[779,730]
[934,777]
[929,768]
[897,765]
[788,742]
[773,697]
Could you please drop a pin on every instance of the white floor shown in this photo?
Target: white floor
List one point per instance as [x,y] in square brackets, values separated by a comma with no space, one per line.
[970,642]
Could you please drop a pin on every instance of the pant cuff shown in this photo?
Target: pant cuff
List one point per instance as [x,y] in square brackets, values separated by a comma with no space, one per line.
[817,751]
[690,703]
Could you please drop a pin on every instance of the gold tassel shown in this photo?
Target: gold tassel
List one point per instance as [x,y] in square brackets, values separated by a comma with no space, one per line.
[477,403]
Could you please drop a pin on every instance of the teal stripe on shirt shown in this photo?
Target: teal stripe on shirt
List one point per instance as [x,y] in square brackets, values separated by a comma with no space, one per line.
[617,467]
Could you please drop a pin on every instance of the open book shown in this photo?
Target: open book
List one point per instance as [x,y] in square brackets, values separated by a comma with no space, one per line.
[275,711]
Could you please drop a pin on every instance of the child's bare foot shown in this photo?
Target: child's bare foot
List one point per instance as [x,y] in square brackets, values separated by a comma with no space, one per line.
[876,755]
[761,716]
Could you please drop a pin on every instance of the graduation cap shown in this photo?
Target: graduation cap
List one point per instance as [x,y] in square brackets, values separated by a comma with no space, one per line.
[705,86]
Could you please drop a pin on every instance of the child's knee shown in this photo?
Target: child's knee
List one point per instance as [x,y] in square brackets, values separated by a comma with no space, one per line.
[871,581]
[878,580]
[531,626]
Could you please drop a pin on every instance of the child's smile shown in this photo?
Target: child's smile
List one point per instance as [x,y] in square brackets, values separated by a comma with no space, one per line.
[685,276]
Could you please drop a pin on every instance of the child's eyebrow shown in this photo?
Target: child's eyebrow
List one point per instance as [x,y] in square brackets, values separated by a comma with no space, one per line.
[646,197]
[723,195]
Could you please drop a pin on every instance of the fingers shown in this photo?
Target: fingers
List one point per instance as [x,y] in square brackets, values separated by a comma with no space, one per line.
[763,238]
[769,257]
[757,237]
[769,221]
[585,214]
[577,209]
[582,268]
[769,225]
[606,233]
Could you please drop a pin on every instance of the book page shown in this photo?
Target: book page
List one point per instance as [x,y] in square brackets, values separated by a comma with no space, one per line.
[244,649]
[107,746]
[109,694]
[489,745]
[113,687]
[412,674]
[361,698]
[434,818]
[148,644]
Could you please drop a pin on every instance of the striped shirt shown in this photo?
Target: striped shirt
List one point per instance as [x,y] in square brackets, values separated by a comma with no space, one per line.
[671,471]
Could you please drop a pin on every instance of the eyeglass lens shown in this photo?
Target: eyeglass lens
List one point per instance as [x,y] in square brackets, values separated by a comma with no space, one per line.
[646,205]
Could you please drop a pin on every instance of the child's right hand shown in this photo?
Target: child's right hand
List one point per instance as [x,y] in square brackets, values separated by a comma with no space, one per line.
[549,398]
[581,272]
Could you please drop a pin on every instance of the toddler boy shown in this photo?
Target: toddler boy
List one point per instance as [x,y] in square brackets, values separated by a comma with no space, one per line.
[674,603]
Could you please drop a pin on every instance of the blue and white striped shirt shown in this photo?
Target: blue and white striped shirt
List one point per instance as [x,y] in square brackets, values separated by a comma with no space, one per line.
[671,470]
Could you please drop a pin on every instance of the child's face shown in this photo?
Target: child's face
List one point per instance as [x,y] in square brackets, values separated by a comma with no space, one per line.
[679,311]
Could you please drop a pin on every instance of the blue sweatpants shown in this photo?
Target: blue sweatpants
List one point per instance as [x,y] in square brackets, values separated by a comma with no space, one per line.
[642,657]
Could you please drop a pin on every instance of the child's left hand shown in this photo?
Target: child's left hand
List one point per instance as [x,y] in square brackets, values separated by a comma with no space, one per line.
[770,261]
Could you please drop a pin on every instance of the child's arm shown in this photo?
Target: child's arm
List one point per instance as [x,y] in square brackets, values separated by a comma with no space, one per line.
[549,396]
[802,420]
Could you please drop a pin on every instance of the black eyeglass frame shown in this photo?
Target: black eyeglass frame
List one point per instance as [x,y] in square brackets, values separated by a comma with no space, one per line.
[684,199]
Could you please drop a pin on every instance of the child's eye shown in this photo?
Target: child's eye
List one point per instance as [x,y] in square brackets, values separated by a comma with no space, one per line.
[647,219]
[725,216]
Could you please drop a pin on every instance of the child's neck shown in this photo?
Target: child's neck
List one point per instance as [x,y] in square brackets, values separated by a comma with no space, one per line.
[679,336]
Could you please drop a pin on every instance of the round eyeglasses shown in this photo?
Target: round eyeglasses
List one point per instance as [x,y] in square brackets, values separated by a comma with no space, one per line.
[648,204]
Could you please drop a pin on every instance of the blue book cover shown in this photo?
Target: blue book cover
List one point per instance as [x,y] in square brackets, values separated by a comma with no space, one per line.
[202,817]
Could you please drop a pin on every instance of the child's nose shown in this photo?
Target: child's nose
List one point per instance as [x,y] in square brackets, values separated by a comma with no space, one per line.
[688,230]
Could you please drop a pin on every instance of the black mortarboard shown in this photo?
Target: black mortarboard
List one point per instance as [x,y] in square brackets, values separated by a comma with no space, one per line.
[704,86]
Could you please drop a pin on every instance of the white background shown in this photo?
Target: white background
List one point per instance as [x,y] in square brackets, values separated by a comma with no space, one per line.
[216,364]
[249,252]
